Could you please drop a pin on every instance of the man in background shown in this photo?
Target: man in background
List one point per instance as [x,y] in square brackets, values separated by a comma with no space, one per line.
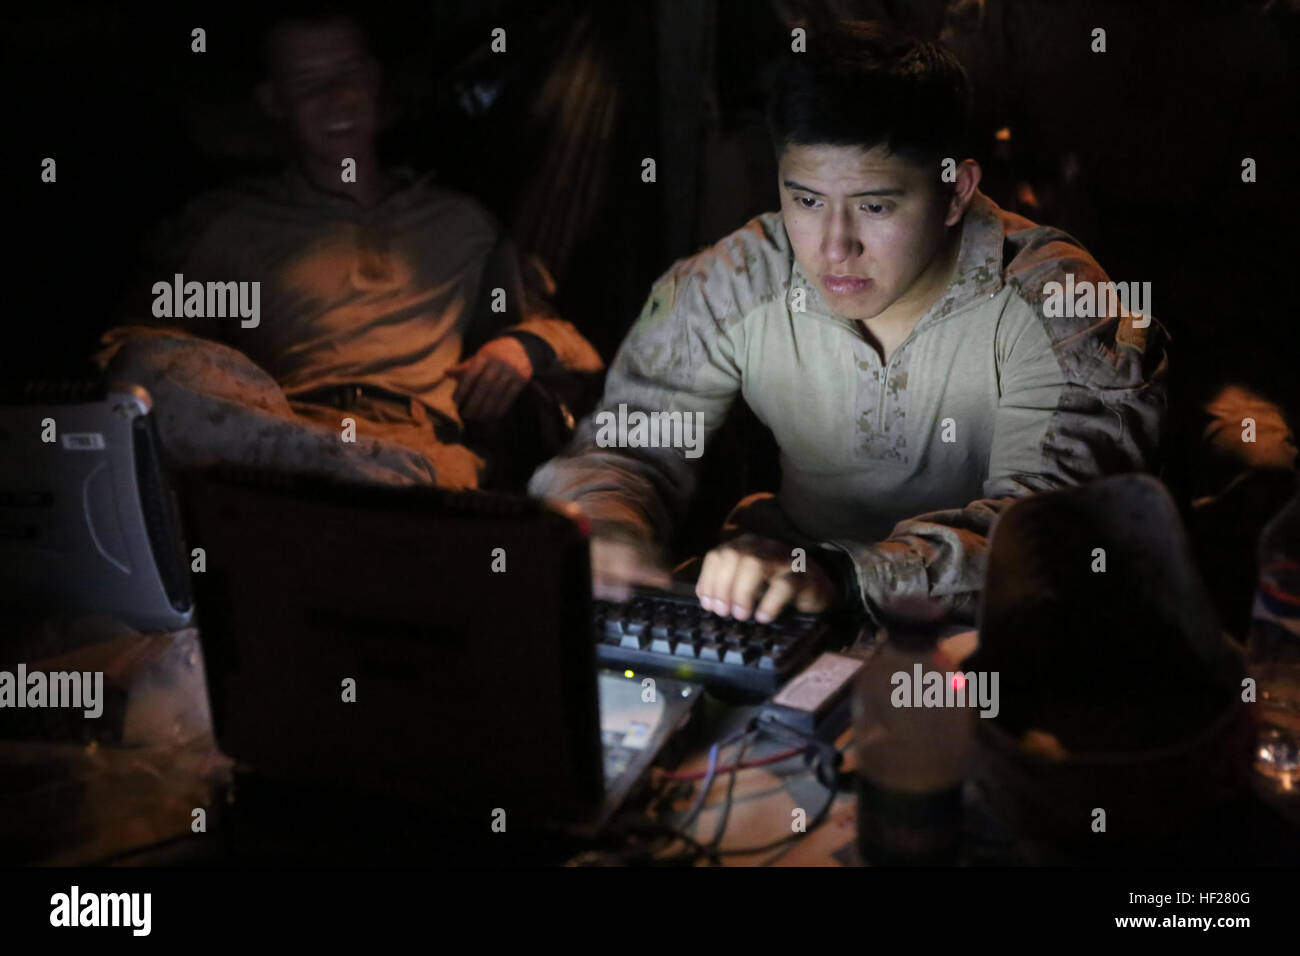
[385,304]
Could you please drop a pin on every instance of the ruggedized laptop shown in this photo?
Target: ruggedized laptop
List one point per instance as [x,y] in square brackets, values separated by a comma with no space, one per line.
[87,518]
[430,645]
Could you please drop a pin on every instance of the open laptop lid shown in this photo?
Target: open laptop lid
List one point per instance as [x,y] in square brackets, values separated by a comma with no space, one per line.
[87,519]
[431,645]
[639,715]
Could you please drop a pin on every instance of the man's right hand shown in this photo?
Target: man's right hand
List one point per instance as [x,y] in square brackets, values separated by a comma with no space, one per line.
[618,565]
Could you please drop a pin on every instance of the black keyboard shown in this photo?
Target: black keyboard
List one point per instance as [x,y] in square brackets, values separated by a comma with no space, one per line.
[670,635]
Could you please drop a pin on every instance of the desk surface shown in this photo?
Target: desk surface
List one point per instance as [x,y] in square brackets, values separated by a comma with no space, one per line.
[761,812]
[764,801]
[765,797]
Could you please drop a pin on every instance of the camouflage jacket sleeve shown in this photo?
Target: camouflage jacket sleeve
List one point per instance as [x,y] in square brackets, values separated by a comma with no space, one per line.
[1078,398]
[677,368]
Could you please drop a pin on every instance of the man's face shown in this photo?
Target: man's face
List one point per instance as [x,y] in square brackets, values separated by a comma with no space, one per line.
[864,224]
[323,84]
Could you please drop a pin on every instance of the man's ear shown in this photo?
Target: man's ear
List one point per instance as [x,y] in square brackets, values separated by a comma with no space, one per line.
[266,99]
[963,190]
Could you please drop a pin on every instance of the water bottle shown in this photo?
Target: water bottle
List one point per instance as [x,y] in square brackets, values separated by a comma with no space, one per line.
[911,761]
[1274,656]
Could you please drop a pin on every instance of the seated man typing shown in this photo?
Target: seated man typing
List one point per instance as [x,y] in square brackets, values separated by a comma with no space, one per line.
[897,332]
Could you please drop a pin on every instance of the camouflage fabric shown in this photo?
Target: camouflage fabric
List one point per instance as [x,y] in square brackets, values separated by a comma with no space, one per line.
[213,405]
[902,465]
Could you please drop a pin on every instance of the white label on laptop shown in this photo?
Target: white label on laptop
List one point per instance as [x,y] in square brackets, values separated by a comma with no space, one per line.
[83,441]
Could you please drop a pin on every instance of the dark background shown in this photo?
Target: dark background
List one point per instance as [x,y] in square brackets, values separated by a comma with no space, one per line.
[1137,151]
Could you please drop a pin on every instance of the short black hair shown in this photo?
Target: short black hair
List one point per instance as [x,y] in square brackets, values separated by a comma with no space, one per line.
[312,13]
[862,84]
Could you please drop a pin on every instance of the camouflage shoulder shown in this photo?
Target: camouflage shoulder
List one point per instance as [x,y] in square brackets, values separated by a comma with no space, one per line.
[702,299]
[730,279]
[1102,330]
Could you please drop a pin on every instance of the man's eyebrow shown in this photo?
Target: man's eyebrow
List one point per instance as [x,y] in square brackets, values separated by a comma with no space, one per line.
[884,191]
[320,69]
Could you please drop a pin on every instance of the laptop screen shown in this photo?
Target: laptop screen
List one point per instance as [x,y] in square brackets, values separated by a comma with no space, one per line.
[427,644]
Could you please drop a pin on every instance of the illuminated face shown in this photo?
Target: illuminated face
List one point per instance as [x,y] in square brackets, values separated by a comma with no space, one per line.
[324,85]
[865,225]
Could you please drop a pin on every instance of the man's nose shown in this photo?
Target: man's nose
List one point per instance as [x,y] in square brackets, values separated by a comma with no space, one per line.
[840,243]
[344,92]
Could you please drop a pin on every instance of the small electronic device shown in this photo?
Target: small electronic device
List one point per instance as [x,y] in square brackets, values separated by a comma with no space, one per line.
[639,716]
[88,521]
[812,701]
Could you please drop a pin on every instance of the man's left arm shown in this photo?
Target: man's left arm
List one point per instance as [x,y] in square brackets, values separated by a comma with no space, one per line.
[514,335]
[553,343]
[1075,403]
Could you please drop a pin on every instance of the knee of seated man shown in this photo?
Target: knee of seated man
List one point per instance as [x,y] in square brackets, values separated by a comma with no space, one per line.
[165,361]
